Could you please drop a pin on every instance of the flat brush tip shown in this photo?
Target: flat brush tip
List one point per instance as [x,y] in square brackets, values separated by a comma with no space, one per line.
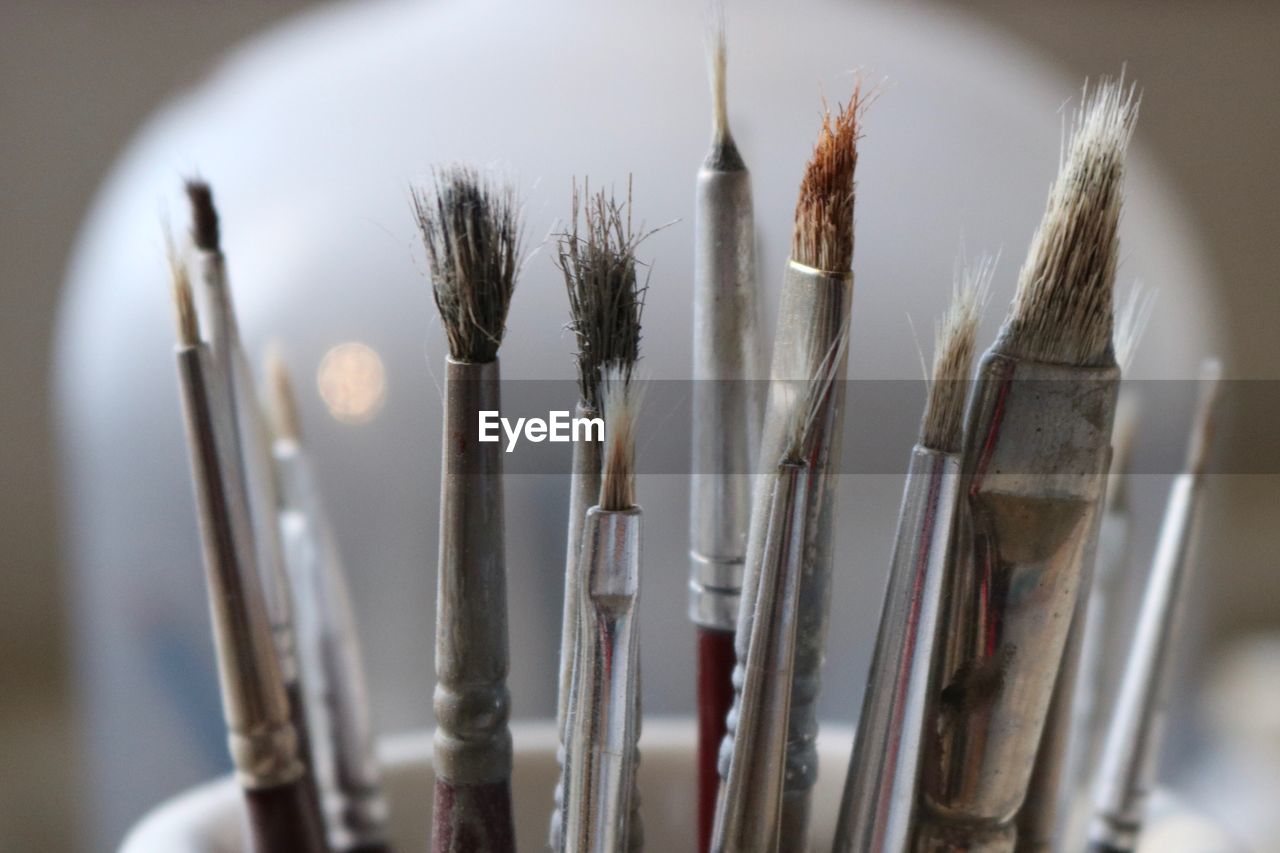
[942,428]
[282,402]
[620,406]
[205,230]
[823,236]
[1063,311]
[183,300]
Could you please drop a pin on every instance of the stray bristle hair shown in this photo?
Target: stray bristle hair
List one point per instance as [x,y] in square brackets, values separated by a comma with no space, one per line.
[620,401]
[282,403]
[1131,323]
[1063,310]
[716,62]
[823,236]
[471,228]
[806,401]
[942,427]
[205,231]
[606,295]
[183,301]
[1124,432]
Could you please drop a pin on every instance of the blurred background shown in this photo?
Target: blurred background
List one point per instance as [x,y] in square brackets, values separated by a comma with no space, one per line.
[78,78]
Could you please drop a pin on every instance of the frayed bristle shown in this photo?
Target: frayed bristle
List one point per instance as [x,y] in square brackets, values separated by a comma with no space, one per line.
[606,296]
[282,403]
[471,228]
[205,230]
[716,62]
[1131,322]
[942,427]
[184,303]
[1063,310]
[620,402]
[806,401]
[823,236]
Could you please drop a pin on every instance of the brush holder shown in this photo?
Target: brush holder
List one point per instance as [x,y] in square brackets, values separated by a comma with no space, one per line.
[208,818]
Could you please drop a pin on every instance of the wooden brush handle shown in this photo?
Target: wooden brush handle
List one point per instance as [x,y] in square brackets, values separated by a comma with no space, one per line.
[284,819]
[473,818]
[715,697]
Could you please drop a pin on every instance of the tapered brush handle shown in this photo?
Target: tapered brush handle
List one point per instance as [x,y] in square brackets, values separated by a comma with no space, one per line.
[472,818]
[715,697]
[284,819]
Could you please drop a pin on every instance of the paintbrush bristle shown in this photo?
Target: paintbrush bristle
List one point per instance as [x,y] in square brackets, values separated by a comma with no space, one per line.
[205,230]
[620,401]
[716,62]
[1063,310]
[606,295]
[942,427]
[823,236]
[282,403]
[1205,419]
[471,228]
[183,300]
[1131,322]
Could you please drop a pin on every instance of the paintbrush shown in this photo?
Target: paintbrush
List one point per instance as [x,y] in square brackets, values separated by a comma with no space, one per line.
[749,805]
[880,789]
[604,710]
[817,293]
[1037,450]
[726,409]
[250,445]
[329,650]
[471,230]
[1127,770]
[261,735]
[606,302]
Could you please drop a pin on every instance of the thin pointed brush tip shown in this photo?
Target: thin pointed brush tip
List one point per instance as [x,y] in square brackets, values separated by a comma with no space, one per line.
[942,427]
[717,58]
[620,406]
[282,403]
[205,230]
[1205,419]
[823,236]
[1063,311]
[470,226]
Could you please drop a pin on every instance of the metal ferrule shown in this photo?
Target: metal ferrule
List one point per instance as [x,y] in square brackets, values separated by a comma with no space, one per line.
[249,469]
[749,809]
[727,400]
[1034,472]
[472,705]
[603,720]
[1126,772]
[584,490]
[332,668]
[261,737]
[880,790]
[813,309]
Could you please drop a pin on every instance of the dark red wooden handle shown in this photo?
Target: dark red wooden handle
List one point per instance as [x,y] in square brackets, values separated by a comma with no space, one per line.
[715,696]
[473,818]
[285,820]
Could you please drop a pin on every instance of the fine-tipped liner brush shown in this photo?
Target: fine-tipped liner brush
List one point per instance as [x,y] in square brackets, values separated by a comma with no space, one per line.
[604,711]
[471,230]
[727,406]
[337,696]
[748,815]
[250,445]
[1037,450]
[880,789]
[817,294]
[1126,773]
[263,742]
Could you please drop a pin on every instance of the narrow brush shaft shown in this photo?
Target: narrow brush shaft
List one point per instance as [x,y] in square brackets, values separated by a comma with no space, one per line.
[749,815]
[584,489]
[262,739]
[472,741]
[880,790]
[329,649]
[813,309]
[715,698]
[1127,770]
[1035,463]
[283,820]
[603,716]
